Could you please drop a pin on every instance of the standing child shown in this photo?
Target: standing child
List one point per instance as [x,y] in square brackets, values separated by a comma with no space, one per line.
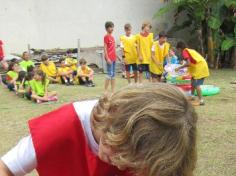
[85,74]
[197,67]
[12,75]
[110,56]
[39,87]
[26,62]
[128,131]
[65,72]
[160,50]
[128,44]
[144,45]
[49,68]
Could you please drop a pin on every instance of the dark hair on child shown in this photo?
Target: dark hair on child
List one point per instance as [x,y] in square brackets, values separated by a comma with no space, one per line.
[11,65]
[162,34]
[61,60]
[41,74]
[44,58]
[30,68]
[109,24]
[14,60]
[127,26]
[21,76]
[181,45]
[82,61]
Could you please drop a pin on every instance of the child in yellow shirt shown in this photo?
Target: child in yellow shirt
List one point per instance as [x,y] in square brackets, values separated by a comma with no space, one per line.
[128,44]
[160,50]
[49,68]
[71,62]
[197,67]
[144,45]
[85,74]
[66,73]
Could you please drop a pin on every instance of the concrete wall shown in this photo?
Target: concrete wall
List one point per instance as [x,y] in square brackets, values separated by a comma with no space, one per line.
[59,23]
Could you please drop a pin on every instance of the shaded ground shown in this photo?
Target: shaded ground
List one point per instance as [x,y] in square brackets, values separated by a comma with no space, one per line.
[217,121]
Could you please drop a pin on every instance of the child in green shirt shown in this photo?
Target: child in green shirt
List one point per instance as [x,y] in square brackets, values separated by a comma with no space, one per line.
[26,62]
[39,88]
[12,76]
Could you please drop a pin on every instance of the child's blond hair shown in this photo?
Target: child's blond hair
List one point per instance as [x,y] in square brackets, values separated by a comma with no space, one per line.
[152,128]
[145,24]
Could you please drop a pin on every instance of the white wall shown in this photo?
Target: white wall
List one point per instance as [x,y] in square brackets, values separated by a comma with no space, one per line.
[59,23]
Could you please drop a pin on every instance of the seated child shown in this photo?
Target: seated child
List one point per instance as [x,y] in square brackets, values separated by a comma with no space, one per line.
[71,62]
[12,75]
[85,74]
[21,83]
[39,87]
[146,130]
[65,72]
[49,68]
[26,62]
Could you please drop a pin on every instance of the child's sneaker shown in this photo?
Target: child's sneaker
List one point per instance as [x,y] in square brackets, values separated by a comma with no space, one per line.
[39,101]
[67,83]
[201,102]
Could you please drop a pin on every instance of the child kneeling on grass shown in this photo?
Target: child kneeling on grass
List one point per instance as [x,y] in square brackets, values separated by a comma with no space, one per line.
[65,72]
[39,88]
[85,74]
[130,133]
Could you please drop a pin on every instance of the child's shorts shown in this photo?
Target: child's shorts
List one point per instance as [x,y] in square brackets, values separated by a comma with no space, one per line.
[197,82]
[131,67]
[143,68]
[111,70]
[156,76]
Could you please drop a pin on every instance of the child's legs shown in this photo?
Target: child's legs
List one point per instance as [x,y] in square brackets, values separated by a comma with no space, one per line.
[127,71]
[135,71]
[140,73]
[113,81]
[36,97]
[196,84]
[110,75]
[11,86]
[82,80]
[52,93]
[156,77]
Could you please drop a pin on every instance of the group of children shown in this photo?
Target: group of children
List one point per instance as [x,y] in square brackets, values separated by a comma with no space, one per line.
[141,54]
[32,83]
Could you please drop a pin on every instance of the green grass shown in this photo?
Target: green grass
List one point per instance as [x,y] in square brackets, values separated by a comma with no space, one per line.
[216,125]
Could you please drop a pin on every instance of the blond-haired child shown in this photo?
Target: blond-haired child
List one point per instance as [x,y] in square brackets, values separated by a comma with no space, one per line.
[144,45]
[65,72]
[128,44]
[132,132]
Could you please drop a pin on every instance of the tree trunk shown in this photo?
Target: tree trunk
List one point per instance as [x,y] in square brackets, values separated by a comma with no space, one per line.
[233,58]
[200,38]
[210,52]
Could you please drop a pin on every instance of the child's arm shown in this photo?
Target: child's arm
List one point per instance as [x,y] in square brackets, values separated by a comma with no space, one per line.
[154,59]
[106,54]
[187,64]
[4,171]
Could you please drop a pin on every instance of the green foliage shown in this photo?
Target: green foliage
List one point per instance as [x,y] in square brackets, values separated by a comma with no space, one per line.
[228,43]
[214,23]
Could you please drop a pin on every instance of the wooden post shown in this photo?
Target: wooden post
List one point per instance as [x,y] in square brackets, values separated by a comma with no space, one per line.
[28,46]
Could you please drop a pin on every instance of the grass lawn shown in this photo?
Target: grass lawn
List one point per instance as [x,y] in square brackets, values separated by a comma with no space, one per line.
[216,125]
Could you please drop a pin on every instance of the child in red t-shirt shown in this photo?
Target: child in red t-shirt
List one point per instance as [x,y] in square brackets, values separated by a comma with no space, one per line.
[2,62]
[129,130]
[110,56]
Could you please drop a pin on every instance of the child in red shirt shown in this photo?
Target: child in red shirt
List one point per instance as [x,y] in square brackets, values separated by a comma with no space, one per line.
[3,63]
[129,130]
[110,56]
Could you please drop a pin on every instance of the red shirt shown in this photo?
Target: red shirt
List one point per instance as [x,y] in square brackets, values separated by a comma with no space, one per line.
[1,50]
[62,149]
[111,47]
[188,57]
